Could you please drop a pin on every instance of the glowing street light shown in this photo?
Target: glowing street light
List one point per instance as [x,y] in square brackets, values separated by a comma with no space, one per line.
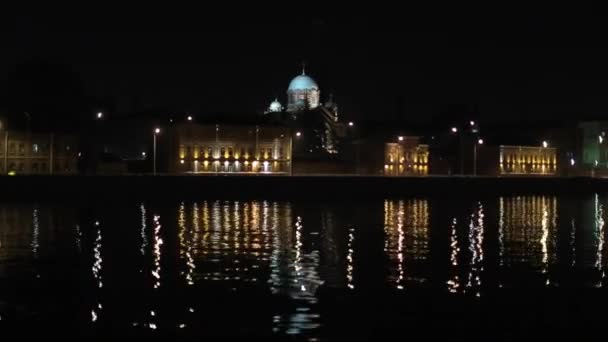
[351,124]
[143,154]
[189,118]
[298,134]
[545,144]
[400,138]
[100,115]
[454,130]
[472,123]
[156,132]
[479,142]
[600,138]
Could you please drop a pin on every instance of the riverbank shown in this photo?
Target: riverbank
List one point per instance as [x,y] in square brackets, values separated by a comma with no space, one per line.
[294,187]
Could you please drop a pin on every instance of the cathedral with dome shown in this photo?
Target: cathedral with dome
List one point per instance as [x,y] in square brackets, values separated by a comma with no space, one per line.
[315,122]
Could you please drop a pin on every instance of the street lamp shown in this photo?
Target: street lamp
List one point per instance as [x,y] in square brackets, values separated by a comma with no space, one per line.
[156,131]
[351,124]
[400,138]
[189,118]
[298,134]
[479,142]
[472,123]
[100,115]
[143,154]
[545,144]
[454,130]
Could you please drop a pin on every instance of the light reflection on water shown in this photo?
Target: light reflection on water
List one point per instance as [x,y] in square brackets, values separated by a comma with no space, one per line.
[278,258]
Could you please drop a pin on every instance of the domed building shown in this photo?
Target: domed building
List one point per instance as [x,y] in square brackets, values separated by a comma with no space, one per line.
[303,93]
[316,122]
[275,107]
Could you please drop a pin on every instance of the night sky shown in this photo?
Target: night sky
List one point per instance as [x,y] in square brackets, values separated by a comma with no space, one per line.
[410,66]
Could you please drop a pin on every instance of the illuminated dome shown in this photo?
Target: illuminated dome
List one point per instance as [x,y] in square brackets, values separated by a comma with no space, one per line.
[303,93]
[303,82]
[275,106]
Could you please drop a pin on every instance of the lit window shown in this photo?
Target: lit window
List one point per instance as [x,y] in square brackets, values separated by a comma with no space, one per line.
[35,148]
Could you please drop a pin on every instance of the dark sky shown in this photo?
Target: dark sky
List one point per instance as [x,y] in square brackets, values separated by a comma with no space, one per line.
[385,65]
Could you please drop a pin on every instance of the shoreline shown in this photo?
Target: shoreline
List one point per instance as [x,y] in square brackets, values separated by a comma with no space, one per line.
[313,187]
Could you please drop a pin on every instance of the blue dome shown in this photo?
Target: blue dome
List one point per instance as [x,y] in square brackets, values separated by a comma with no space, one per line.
[303,82]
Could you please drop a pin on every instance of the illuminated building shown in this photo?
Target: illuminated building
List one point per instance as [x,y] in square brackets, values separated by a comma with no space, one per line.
[527,160]
[400,156]
[27,153]
[203,148]
[406,157]
[317,122]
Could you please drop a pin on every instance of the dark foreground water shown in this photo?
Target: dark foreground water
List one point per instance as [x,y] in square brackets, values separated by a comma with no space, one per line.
[490,269]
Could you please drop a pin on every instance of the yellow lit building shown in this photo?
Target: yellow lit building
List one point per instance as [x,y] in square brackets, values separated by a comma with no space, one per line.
[199,149]
[527,160]
[28,154]
[406,157]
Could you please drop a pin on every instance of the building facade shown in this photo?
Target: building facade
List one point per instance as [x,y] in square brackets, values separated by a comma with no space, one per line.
[317,123]
[206,148]
[406,158]
[527,160]
[30,154]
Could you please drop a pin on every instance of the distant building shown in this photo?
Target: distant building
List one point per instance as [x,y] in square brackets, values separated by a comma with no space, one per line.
[512,160]
[32,153]
[528,160]
[406,158]
[318,126]
[403,157]
[222,148]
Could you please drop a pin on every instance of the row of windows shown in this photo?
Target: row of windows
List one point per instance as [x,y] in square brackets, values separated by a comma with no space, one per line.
[225,152]
[236,166]
[19,148]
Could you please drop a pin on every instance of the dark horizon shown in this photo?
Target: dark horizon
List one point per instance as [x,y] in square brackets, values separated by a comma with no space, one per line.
[414,67]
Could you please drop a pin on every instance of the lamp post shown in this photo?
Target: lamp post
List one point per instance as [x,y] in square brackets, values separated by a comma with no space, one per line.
[454,130]
[156,131]
[479,142]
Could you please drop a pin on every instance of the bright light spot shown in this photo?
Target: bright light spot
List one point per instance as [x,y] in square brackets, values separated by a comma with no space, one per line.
[182,326]
[454,130]
[152,313]
[80,154]
[189,118]
[298,134]
[99,115]
[181,161]
[596,162]
[480,141]
[400,138]
[191,310]
[351,124]
[93,316]
[152,326]
[545,144]
[572,162]
[472,123]
[157,130]
[96,223]
[601,139]
[143,154]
